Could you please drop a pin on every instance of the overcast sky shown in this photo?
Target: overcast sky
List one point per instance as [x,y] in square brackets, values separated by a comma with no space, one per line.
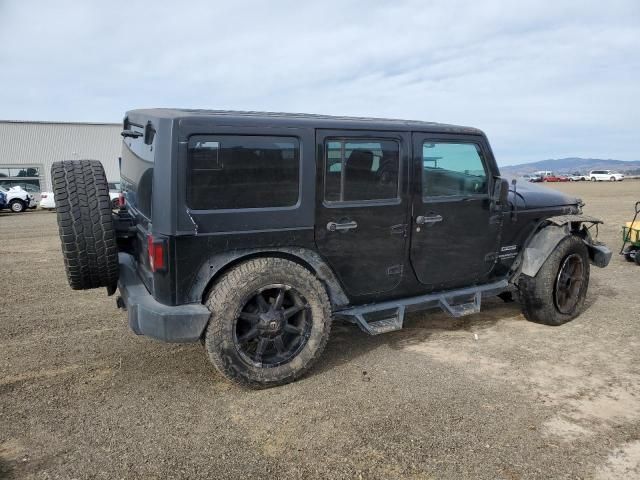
[542,79]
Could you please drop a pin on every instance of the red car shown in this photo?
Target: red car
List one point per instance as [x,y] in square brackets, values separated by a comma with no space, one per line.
[555,178]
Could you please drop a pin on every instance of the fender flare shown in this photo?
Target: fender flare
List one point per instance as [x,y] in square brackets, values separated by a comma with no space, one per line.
[551,232]
[216,265]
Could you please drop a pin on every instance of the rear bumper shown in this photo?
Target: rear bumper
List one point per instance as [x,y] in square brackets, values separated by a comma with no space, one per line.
[147,316]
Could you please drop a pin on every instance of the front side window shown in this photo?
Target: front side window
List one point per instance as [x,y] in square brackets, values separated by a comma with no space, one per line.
[452,169]
[361,170]
[242,171]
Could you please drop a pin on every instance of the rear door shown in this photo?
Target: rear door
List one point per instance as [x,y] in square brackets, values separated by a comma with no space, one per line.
[454,235]
[362,206]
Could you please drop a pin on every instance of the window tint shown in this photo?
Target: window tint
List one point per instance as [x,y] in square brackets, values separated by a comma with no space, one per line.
[452,169]
[238,171]
[358,170]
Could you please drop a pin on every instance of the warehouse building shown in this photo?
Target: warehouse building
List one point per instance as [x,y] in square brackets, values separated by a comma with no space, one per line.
[27,150]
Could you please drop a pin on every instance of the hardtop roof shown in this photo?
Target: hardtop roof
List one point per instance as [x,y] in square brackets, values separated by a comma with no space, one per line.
[303,119]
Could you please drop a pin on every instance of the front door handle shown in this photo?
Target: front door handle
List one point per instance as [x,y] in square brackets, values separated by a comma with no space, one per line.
[428,220]
[342,226]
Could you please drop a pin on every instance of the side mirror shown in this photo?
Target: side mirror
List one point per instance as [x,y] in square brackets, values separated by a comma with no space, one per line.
[500,192]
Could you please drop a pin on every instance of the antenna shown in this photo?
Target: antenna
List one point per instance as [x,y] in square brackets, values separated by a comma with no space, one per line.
[514,212]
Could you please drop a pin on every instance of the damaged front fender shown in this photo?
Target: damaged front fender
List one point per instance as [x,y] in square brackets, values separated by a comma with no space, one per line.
[551,233]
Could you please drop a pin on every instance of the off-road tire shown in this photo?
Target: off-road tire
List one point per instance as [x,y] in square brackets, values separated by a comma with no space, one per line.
[17,206]
[227,298]
[83,209]
[537,294]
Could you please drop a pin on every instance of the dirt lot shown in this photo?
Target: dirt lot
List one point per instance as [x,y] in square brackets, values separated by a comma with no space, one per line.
[83,397]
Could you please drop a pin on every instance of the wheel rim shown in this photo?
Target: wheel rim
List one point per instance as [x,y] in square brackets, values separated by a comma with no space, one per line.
[569,283]
[273,326]
[16,207]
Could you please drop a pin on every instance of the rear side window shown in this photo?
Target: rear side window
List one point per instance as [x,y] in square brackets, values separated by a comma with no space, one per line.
[241,171]
[452,169]
[137,173]
[361,170]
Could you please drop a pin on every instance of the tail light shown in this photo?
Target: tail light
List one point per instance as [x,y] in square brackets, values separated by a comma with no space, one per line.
[157,250]
[121,200]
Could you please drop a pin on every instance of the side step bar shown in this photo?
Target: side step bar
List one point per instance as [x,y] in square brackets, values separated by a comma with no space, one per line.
[389,316]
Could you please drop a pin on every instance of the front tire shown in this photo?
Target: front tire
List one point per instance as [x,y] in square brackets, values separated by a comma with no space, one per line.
[593,179]
[556,294]
[17,206]
[613,179]
[270,321]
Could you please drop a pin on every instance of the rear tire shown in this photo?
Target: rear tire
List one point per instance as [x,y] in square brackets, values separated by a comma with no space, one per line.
[252,341]
[553,296]
[83,208]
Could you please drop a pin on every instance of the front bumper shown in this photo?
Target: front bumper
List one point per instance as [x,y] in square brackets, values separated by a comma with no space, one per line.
[147,316]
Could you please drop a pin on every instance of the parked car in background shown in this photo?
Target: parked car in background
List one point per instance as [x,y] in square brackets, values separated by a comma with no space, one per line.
[114,193]
[605,176]
[543,173]
[30,188]
[555,178]
[577,177]
[18,200]
[46,201]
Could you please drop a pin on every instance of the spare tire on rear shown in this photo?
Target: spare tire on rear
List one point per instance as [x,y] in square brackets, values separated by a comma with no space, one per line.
[85,224]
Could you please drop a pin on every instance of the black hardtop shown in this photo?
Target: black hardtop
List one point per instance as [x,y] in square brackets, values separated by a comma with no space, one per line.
[230,117]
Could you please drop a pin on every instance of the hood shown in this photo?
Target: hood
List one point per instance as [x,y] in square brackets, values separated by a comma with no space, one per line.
[532,195]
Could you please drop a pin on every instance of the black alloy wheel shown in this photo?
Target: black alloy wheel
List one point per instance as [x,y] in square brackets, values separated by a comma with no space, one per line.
[273,326]
[569,283]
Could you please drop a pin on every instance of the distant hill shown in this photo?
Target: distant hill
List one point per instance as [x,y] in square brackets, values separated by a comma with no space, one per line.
[574,164]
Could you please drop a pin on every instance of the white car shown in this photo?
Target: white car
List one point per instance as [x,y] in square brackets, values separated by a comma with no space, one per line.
[577,177]
[46,201]
[605,175]
[18,200]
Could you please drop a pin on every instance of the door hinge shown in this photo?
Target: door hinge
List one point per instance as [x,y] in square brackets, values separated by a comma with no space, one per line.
[400,229]
[394,270]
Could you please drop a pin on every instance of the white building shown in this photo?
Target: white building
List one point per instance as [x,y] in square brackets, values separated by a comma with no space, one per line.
[27,149]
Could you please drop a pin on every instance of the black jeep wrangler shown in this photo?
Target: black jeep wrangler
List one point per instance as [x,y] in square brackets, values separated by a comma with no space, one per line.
[252,231]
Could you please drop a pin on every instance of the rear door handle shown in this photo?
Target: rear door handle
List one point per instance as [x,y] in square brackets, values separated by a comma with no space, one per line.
[428,220]
[341,227]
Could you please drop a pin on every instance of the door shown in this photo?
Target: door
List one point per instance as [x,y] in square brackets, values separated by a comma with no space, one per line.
[454,234]
[362,207]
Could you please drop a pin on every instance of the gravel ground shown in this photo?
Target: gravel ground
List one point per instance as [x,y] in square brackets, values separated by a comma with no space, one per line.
[83,397]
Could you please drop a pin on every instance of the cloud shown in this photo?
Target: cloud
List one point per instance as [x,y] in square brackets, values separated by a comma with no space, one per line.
[542,81]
